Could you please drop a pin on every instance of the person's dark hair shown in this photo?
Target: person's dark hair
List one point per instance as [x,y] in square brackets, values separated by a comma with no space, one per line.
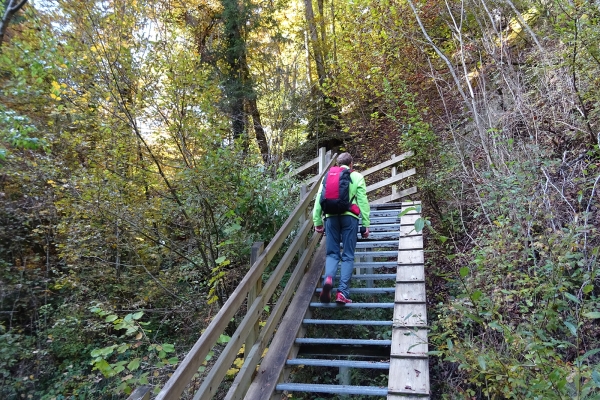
[344,159]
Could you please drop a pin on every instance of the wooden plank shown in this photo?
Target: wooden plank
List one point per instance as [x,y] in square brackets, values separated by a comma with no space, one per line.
[321,160]
[409,341]
[295,350]
[392,180]
[388,206]
[409,375]
[411,243]
[406,273]
[274,362]
[410,257]
[313,180]
[243,379]
[190,364]
[212,381]
[410,292]
[389,163]
[409,203]
[393,212]
[409,219]
[408,230]
[324,158]
[394,173]
[410,314]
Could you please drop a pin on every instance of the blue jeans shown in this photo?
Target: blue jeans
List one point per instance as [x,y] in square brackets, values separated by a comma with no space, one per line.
[341,229]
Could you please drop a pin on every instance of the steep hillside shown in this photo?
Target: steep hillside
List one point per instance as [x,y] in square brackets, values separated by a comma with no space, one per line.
[510,183]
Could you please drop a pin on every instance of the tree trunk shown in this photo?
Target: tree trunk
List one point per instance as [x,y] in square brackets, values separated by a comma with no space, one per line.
[326,106]
[314,38]
[261,138]
[234,55]
[12,6]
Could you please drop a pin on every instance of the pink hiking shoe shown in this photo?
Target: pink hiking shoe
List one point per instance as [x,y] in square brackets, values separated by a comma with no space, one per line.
[341,299]
[326,292]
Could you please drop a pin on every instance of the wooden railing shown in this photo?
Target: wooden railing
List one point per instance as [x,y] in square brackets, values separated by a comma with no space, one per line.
[396,177]
[251,287]
[322,159]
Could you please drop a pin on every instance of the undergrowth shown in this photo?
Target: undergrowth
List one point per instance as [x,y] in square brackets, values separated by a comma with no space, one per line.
[520,315]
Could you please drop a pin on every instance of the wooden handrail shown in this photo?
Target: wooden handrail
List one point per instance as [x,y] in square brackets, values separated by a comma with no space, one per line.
[263,387]
[252,357]
[193,360]
[317,160]
[389,163]
[304,167]
[141,393]
[312,180]
[217,373]
[257,248]
[391,180]
[395,196]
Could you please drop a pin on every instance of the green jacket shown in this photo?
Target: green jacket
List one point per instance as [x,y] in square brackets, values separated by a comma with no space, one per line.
[358,188]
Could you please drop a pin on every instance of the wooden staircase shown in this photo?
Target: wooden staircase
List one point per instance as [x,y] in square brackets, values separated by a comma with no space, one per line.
[383,331]
[383,334]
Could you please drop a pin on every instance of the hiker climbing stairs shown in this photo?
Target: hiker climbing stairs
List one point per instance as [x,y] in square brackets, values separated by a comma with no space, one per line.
[383,329]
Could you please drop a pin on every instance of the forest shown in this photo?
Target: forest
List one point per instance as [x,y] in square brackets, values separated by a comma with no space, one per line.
[146,144]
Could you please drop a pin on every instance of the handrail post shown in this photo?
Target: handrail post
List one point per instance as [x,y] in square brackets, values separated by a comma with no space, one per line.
[322,159]
[394,172]
[257,248]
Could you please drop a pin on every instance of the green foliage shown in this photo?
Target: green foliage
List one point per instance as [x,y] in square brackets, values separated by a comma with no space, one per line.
[141,197]
[403,109]
[17,131]
[132,357]
[14,350]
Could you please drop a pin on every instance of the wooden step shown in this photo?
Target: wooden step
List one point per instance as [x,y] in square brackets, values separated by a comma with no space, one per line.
[377,253]
[375,264]
[379,244]
[391,237]
[373,236]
